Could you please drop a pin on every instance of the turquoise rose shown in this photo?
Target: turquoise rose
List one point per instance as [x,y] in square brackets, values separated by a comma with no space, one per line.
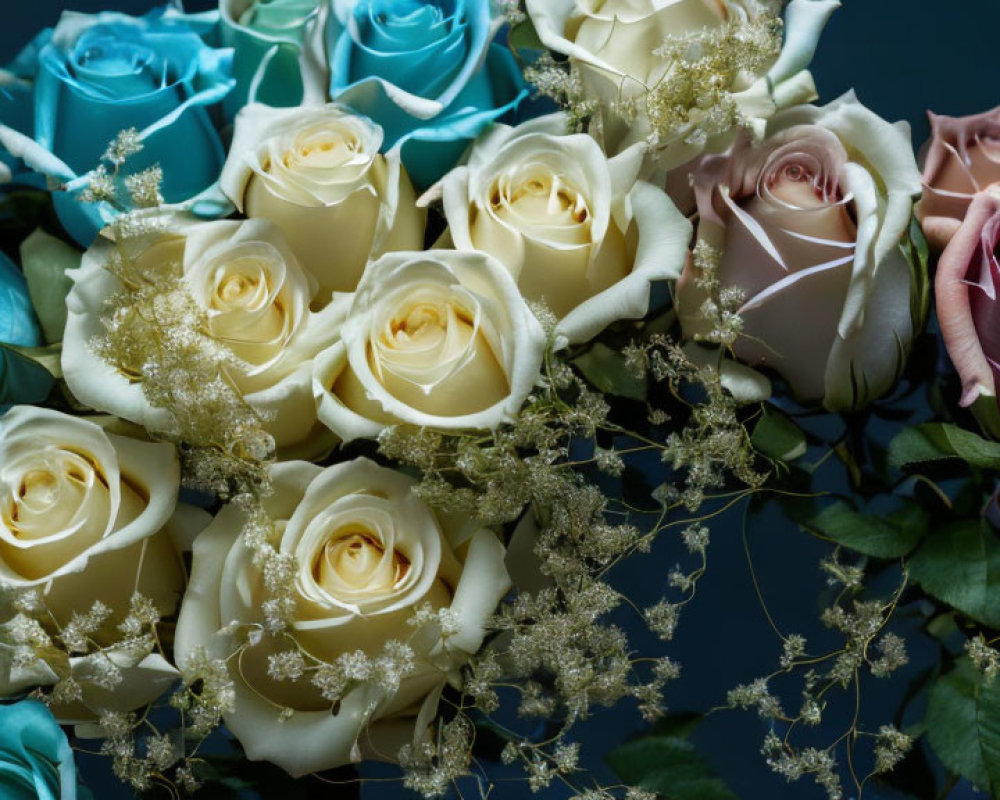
[21,380]
[267,38]
[95,75]
[36,761]
[425,70]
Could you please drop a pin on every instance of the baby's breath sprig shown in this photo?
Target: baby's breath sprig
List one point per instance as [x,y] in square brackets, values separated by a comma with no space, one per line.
[867,648]
[560,81]
[561,652]
[702,73]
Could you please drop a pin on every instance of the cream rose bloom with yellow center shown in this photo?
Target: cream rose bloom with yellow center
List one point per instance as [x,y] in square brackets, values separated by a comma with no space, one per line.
[88,516]
[440,339]
[577,230]
[245,280]
[317,173]
[613,45]
[368,554]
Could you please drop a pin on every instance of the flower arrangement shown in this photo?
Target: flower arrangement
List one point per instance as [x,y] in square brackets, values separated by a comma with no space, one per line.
[354,353]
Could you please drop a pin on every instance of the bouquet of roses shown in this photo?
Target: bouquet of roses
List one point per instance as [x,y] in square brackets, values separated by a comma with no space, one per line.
[349,349]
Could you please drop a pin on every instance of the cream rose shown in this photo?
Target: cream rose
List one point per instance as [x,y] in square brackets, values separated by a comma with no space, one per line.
[88,516]
[963,158]
[577,230]
[613,42]
[810,226]
[368,554]
[247,281]
[440,339]
[317,173]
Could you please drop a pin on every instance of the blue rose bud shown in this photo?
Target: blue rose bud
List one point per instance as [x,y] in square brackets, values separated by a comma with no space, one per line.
[425,70]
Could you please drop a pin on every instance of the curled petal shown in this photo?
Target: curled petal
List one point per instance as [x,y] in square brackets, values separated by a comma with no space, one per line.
[953,301]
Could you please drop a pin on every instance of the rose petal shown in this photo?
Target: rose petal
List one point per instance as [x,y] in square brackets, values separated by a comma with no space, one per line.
[953,305]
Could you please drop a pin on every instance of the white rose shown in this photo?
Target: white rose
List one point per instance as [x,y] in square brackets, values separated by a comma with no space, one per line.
[575,229]
[613,42]
[88,516]
[245,278]
[810,225]
[317,173]
[440,339]
[368,554]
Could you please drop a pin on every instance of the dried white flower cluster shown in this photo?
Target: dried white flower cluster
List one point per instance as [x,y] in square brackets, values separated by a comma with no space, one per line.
[867,644]
[695,99]
[561,82]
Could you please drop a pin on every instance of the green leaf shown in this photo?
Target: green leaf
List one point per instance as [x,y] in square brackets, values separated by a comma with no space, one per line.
[45,259]
[668,766]
[22,379]
[606,371]
[936,441]
[963,725]
[778,437]
[523,36]
[887,536]
[960,566]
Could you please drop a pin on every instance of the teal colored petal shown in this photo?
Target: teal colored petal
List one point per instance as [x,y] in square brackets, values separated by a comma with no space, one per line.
[419,53]
[22,381]
[271,31]
[18,782]
[34,749]
[18,325]
[431,150]
[281,84]
[283,19]
[82,221]
[428,49]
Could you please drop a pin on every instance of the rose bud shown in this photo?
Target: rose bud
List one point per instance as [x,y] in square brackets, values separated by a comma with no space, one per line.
[807,228]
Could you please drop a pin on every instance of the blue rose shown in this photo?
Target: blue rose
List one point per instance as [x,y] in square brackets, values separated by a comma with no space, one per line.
[95,75]
[267,38]
[21,380]
[36,761]
[425,70]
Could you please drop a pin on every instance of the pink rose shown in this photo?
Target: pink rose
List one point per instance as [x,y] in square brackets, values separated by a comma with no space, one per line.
[963,157]
[808,226]
[966,284]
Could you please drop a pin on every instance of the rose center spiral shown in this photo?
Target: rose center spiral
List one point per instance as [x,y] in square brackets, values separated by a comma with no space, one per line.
[539,195]
[355,559]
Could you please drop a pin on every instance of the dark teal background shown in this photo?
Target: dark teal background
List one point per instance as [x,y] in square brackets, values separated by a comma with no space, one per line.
[901,57]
